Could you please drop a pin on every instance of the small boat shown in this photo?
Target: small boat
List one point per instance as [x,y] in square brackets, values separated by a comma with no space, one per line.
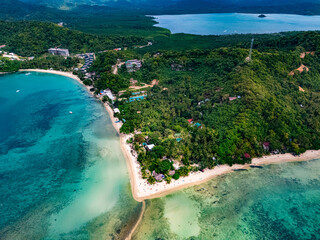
[255,166]
[262,16]
[18,91]
[27,74]
[70,112]
[239,169]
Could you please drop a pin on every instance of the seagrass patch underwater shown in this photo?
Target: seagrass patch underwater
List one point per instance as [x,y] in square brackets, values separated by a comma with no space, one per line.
[275,202]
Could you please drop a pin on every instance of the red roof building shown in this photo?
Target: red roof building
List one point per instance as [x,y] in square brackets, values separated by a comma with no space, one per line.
[2,46]
[190,120]
[266,146]
[247,155]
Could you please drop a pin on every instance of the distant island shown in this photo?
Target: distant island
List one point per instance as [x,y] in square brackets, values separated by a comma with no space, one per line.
[262,16]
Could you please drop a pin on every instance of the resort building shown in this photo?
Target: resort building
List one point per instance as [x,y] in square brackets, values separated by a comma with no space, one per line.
[133,65]
[59,51]
[116,110]
[107,92]
[2,46]
[266,146]
[157,176]
[150,147]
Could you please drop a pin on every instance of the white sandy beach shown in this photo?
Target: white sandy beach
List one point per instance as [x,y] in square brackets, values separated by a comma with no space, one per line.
[66,74]
[141,190]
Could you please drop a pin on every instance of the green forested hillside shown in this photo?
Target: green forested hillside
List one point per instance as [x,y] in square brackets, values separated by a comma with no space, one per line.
[34,38]
[99,20]
[268,106]
[235,106]
[190,6]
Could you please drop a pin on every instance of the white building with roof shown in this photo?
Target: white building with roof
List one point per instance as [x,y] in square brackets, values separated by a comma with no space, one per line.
[150,147]
[59,51]
[107,92]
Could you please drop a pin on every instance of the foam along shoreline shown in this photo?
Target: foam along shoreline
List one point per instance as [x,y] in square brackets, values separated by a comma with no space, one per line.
[142,190]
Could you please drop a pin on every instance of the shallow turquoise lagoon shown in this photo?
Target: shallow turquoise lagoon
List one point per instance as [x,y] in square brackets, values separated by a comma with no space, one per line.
[236,23]
[62,174]
[275,202]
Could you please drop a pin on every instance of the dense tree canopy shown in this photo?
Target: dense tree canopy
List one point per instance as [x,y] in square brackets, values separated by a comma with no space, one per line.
[235,107]
[209,105]
[35,38]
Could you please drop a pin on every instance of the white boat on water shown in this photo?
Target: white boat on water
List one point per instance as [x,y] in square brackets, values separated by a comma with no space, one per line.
[18,90]
[70,112]
[27,74]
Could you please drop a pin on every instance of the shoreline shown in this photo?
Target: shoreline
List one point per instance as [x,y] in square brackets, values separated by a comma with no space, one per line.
[65,74]
[141,190]
[5,73]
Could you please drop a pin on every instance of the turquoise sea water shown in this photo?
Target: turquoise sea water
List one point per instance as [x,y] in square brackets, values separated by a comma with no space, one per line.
[62,175]
[234,23]
[275,202]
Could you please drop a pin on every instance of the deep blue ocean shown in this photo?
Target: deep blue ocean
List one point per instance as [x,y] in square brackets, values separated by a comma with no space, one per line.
[60,173]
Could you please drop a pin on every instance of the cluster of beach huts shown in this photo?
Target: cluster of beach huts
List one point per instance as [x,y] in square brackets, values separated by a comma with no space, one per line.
[88,60]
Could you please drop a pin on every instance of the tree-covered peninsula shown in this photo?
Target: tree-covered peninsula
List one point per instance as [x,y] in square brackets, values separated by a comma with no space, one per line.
[211,107]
